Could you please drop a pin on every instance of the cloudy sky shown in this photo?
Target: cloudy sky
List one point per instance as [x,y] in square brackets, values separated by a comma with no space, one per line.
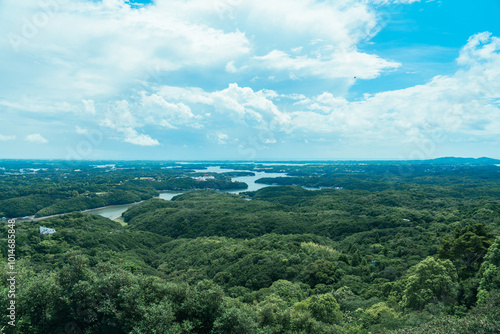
[249,79]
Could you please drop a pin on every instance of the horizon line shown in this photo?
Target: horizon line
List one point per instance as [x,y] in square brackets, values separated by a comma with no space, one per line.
[246,161]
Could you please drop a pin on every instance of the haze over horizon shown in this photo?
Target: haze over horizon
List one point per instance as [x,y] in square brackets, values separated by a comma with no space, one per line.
[249,80]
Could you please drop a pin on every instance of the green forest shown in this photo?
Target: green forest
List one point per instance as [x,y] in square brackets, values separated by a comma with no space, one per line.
[49,188]
[379,247]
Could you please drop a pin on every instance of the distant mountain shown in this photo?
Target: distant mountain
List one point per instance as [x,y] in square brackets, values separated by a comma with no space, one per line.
[462,161]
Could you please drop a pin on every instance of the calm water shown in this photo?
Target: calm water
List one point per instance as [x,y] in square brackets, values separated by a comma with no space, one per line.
[168,195]
[113,212]
[250,180]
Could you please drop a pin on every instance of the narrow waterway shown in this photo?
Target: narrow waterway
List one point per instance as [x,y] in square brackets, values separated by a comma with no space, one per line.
[115,211]
[111,212]
[249,180]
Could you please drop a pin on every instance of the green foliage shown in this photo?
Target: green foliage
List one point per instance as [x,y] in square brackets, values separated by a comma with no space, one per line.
[80,203]
[320,272]
[322,307]
[158,319]
[288,291]
[76,186]
[467,247]
[381,314]
[187,183]
[481,320]
[236,317]
[430,281]
[202,306]
[289,260]
[206,213]
[143,208]
[254,264]
[490,272]
[24,205]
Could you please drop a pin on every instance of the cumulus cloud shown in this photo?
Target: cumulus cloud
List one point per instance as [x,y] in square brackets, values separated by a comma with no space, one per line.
[241,105]
[340,22]
[36,138]
[119,115]
[91,50]
[132,137]
[343,23]
[467,102]
[122,121]
[481,48]
[157,108]
[201,66]
[329,32]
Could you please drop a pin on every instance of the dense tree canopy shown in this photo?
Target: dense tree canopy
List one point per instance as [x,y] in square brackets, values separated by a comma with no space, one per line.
[385,251]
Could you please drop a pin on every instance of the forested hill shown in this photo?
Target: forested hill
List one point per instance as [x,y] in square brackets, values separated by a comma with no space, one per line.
[49,188]
[457,161]
[419,253]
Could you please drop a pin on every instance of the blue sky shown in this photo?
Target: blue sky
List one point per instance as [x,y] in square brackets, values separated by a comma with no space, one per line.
[249,80]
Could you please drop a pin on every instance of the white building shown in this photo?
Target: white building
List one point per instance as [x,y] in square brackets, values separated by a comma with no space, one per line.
[203,178]
[45,230]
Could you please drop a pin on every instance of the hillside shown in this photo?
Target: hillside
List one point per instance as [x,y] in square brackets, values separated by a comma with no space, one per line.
[421,256]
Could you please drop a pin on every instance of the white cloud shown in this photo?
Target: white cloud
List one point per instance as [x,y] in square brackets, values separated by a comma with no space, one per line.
[95,51]
[170,113]
[222,137]
[37,105]
[238,104]
[89,106]
[340,22]
[466,103]
[325,103]
[480,48]
[6,138]
[92,50]
[105,61]
[335,29]
[36,138]
[343,23]
[124,117]
[337,65]
[119,115]
[390,2]
[164,123]
[81,131]
[230,67]
[132,137]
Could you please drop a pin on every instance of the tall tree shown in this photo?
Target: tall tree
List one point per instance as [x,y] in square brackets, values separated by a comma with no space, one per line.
[467,248]
[430,281]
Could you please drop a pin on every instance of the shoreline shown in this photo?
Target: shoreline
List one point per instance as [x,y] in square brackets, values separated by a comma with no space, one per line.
[84,211]
[177,192]
[34,219]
